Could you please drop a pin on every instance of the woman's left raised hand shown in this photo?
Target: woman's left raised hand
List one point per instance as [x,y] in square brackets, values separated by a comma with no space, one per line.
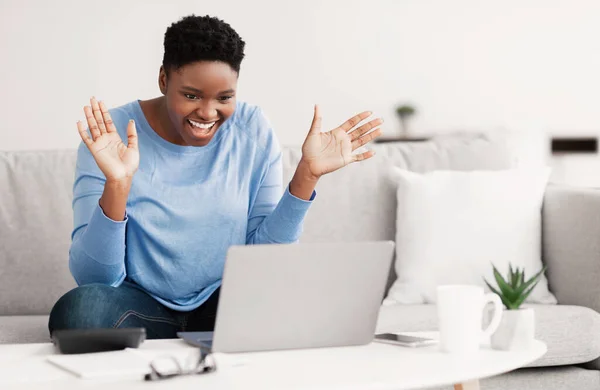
[326,152]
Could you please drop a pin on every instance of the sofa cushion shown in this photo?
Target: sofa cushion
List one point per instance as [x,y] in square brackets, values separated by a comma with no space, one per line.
[35,229]
[24,329]
[452,226]
[358,203]
[570,332]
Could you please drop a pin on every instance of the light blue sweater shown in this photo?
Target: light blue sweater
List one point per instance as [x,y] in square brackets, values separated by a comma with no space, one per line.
[186,207]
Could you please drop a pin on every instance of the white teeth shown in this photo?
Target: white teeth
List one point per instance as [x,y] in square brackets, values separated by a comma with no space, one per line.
[201,125]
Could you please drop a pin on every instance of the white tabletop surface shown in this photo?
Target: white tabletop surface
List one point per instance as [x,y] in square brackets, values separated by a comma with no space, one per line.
[375,366]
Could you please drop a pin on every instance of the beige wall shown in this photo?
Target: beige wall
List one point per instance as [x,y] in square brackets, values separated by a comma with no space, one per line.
[466,64]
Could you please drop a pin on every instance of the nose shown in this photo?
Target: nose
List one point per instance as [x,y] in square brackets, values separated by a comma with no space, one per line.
[206,110]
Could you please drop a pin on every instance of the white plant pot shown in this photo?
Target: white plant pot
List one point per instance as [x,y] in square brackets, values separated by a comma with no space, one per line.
[516,330]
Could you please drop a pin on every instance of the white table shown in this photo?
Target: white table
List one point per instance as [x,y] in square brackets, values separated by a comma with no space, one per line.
[375,366]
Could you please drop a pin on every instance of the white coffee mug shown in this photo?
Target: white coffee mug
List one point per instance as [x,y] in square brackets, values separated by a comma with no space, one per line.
[460,311]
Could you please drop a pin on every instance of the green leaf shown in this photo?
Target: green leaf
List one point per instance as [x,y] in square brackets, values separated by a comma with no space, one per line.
[506,290]
[518,303]
[502,297]
[533,279]
[491,288]
[513,306]
[517,279]
[526,294]
[508,304]
[513,275]
[523,297]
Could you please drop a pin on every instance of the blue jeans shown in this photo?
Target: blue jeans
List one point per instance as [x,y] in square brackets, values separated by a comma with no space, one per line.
[101,306]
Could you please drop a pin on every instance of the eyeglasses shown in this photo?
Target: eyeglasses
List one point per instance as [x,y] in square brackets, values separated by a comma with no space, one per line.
[169,366]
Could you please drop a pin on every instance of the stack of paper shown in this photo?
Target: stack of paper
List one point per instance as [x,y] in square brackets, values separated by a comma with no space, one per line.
[123,363]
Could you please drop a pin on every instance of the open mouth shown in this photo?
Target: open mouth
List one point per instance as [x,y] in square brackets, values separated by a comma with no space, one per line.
[201,129]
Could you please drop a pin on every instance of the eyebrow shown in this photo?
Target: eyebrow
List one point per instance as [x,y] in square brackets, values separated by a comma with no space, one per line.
[199,91]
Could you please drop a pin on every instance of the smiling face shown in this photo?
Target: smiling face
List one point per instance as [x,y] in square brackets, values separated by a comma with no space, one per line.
[200,97]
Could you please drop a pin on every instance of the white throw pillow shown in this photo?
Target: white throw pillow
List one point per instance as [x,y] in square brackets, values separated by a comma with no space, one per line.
[453,225]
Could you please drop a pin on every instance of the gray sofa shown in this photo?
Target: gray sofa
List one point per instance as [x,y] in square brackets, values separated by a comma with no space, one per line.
[357,203]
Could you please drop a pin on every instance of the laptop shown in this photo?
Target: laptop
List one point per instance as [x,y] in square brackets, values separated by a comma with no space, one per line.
[295,296]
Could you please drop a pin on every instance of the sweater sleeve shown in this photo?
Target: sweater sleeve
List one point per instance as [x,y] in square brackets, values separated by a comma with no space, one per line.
[97,252]
[273,217]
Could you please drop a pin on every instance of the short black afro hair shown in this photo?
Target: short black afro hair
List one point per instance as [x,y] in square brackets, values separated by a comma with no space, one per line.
[202,38]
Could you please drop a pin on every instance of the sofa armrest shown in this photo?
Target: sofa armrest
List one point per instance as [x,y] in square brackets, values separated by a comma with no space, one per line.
[571,244]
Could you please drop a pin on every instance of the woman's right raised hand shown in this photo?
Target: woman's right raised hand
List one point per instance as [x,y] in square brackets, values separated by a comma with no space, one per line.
[117,161]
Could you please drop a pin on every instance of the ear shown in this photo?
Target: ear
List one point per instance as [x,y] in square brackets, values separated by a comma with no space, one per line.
[162,80]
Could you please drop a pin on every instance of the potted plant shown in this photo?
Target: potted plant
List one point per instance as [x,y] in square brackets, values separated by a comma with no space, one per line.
[517,327]
[404,113]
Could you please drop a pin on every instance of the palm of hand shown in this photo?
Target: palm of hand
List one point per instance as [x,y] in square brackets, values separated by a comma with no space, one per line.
[113,157]
[329,151]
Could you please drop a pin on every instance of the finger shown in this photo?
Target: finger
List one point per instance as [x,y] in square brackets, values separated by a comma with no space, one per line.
[91,122]
[363,156]
[365,139]
[315,127]
[355,120]
[110,125]
[98,115]
[132,139]
[365,128]
[85,137]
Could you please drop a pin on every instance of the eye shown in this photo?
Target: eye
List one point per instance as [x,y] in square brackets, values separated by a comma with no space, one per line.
[190,96]
[225,98]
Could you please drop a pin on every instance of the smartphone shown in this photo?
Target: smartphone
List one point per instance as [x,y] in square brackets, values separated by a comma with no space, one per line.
[404,340]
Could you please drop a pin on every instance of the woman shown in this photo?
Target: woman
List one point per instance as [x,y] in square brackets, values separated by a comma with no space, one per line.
[153,219]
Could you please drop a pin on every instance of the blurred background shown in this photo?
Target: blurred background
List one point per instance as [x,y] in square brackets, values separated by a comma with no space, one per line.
[529,69]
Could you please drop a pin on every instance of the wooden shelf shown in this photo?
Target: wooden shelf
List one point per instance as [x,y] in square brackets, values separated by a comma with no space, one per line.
[402,139]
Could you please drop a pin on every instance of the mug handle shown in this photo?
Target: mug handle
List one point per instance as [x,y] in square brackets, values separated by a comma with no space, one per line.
[495,322]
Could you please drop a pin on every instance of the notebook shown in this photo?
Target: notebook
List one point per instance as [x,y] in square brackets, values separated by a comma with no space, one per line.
[123,363]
